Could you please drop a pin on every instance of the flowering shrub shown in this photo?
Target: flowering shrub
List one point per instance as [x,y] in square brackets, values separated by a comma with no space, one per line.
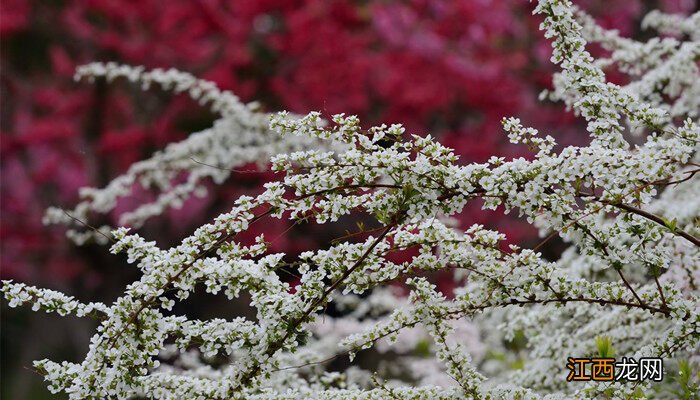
[436,66]
[628,204]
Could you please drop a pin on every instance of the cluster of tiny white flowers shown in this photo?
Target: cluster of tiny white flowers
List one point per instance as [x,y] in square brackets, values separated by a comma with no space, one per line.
[629,213]
[666,66]
[673,24]
[241,136]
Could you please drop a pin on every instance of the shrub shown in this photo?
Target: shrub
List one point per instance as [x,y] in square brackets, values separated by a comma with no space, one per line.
[627,204]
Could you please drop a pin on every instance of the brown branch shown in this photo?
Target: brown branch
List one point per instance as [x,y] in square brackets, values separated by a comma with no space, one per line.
[604,247]
[146,302]
[601,302]
[367,186]
[274,347]
[85,224]
[237,171]
[651,217]
[619,272]
[666,182]
[565,300]
[661,292]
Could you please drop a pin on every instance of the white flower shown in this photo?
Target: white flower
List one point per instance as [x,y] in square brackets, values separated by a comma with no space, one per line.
[629,214]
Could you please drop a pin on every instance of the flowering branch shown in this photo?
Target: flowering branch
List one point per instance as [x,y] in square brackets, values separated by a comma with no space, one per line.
[610,201]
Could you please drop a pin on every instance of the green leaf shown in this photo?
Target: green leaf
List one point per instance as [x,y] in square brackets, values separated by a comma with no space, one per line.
[604,346]
[423,349]
[671,225]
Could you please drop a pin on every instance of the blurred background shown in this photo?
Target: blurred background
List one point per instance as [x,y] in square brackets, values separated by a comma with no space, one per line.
[449,68]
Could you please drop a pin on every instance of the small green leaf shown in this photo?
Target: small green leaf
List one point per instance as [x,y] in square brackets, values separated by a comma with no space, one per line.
[604,346]
[423,348]
[517,364]
[671,225]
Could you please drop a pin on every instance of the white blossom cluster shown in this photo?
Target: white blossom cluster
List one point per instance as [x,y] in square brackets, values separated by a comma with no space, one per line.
[240,136]
[628,209]
[666,67]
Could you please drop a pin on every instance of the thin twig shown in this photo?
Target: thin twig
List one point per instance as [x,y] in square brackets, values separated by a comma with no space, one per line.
[619,272]
[654,218]
[146,302]
[85,224]
[274,347]
[661,292]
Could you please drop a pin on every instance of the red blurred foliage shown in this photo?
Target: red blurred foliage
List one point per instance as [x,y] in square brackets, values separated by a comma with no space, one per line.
[451,68]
